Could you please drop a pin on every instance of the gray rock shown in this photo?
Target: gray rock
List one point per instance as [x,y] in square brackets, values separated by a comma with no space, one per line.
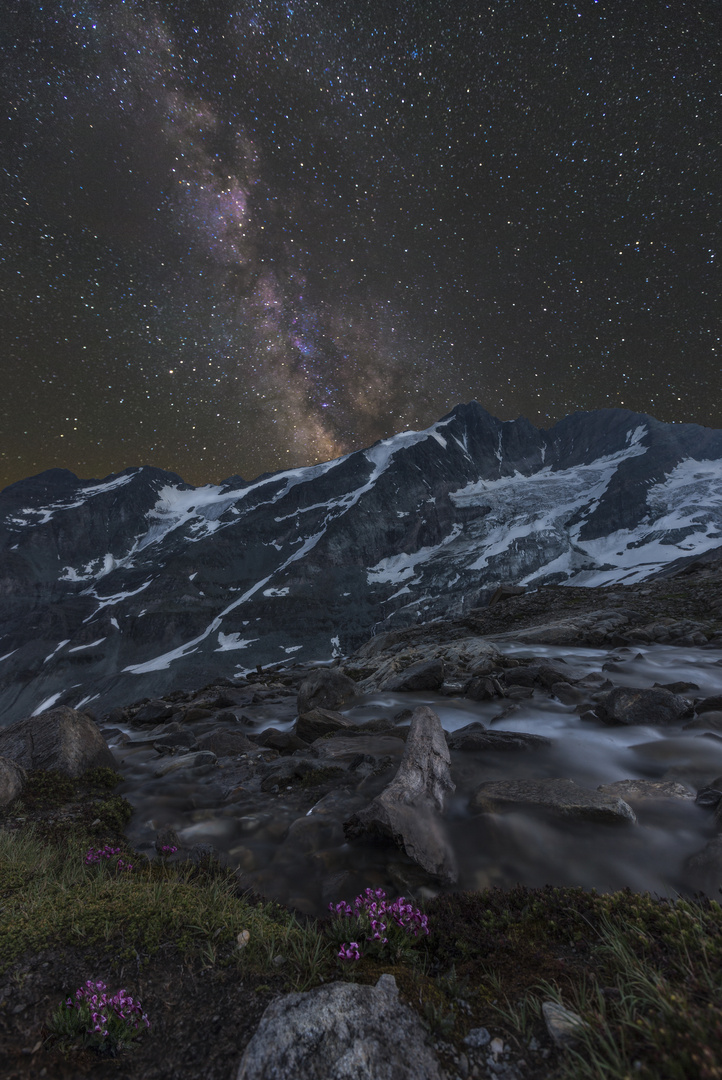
[408,810]
[709,704]
[318,722]
[484,688]
[564,797]
[477,1038]
[636,791]
[710,721]
[153,712]
[425,675]
[285,742]
[476,737]
[630,705]
[563,1025]
[225,743]
[344,748]
[12,780]
[343,1031]
[325,688]
[60,739]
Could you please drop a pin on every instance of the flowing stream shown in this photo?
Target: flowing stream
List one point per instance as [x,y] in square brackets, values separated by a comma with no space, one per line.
[294,851]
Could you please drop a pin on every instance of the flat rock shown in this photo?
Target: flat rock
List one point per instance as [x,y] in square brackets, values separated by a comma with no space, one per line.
[631,705]
[709,704]
[225,743]
[424,675]
[408,811]
[12,780]
[342,1031]
[562,796]
[325,688]
[640,791]
[60,739]
[344,748]
[317,722]
[476,737]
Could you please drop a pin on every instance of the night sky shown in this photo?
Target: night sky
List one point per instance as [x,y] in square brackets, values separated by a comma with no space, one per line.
[240,237]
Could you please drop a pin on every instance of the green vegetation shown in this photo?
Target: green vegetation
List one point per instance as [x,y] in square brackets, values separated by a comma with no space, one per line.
[644,974]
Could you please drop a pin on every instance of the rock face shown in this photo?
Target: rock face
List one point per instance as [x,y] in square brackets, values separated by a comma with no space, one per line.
[61,739]
[12,780]
[409,810]
[340,1032]
[627,705]
[563,797]
[122,587]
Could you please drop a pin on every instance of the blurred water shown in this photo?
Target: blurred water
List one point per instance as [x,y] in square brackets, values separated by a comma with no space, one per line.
[313,864]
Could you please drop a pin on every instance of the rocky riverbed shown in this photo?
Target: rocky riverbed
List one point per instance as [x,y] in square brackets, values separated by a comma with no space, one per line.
[540,691]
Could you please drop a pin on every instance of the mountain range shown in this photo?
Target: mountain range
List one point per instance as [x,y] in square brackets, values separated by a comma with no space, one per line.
[139,583]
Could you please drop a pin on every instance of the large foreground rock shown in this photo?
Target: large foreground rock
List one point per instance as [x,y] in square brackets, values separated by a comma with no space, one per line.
[408,811]
[61,739]
[340,1032]
[12,780]
[325,688]
[630,705]
[564,797]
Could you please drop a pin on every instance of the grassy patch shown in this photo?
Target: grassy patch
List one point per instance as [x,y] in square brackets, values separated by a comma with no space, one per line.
[644,974]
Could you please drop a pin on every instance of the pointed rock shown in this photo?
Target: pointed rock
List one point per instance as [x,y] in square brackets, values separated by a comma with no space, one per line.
[408,811]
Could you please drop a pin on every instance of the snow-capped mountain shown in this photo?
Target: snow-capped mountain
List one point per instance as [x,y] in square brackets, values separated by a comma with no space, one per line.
[129,586]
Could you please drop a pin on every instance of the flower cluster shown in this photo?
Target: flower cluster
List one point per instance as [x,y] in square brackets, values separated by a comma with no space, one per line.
[94,855]
[168,849]
[99,1020]
[378,918]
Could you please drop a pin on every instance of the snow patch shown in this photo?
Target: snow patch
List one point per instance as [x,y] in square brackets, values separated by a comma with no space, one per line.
[90,645]
[277,592]
[228,642]
[47,703]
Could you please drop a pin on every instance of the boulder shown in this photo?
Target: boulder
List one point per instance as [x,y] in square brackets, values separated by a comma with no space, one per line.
[484,688]
[60,739]
[318,722]
[325,688]
[563,797]
[425,675]
[476,737]
[225,743]
[709,704]
[153,712]
[285,742]
[711,720]
[630,705]
[12,780]
[342,1031]
[408,810]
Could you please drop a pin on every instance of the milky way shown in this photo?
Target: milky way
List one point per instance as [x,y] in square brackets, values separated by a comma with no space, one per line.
[239,237]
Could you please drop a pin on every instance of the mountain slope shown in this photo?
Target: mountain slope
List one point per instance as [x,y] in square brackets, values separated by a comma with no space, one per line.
[134,584]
